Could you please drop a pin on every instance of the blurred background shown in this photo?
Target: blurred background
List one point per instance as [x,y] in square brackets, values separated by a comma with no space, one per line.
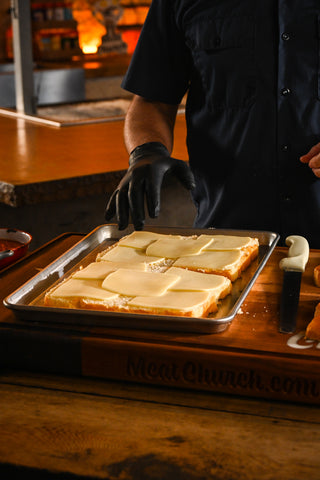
[80,49]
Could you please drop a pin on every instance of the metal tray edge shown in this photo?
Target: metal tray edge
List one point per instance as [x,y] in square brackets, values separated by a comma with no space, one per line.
[102,318]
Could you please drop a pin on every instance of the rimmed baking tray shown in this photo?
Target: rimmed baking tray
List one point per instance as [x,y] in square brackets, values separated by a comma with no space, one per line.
[27,301]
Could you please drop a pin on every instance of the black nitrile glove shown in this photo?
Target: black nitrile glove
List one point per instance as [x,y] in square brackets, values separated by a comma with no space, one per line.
[148,163]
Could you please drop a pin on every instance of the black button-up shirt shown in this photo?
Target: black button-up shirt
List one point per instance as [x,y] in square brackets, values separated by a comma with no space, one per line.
[252,72]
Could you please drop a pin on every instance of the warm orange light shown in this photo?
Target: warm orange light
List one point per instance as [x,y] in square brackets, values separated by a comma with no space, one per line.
[90,30]
[130,37]
[91,24]
[89,48]
[133,16]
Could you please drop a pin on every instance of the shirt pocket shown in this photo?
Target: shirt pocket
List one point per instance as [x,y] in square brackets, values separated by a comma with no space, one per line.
[223,54]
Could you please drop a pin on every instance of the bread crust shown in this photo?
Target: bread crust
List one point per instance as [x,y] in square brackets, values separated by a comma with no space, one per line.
[121,303]
[248,255]
[211,306]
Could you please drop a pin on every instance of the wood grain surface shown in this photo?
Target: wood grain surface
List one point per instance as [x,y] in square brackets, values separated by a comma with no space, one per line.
[250,358]
[37,153]
[69,426]
[99,429]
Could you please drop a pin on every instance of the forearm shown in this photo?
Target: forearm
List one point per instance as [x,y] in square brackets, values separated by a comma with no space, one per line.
[149,125]
[149,122]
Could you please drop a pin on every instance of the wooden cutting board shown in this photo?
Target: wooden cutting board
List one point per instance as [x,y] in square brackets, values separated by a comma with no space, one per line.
[250,358]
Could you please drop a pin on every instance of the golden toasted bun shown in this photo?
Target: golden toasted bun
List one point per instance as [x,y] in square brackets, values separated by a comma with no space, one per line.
[72,302]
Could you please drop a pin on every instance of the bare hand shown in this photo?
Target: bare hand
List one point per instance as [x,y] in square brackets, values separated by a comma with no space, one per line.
[312,158]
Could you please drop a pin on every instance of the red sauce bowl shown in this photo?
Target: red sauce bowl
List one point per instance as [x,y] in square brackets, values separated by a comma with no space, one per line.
[15,241]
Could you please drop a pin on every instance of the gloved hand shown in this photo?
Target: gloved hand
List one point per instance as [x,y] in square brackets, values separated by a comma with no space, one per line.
[148,163]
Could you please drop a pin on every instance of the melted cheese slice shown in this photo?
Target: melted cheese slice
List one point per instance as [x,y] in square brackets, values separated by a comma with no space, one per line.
[178,302]
[99,270]
[175,246]
[132,283]
[198,282]
[82,289]
[228,242]
[210,261]
[128,255]
[139,239]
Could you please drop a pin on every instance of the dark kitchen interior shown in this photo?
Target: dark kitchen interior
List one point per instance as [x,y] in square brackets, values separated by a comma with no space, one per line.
[113,395]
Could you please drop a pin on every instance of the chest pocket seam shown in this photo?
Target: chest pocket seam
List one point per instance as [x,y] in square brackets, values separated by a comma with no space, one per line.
[224,56]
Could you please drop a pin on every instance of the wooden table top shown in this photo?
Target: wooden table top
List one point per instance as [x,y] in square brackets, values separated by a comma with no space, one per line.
[34,155]
[97,428]
[54,426]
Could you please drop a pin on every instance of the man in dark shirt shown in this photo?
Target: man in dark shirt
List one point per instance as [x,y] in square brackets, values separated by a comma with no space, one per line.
[251,71]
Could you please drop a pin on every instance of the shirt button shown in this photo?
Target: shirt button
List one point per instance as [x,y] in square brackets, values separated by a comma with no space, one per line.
[284,148]
[285,91]
[285,36]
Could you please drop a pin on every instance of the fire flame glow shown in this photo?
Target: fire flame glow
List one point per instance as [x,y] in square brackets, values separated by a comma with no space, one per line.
[90,29]
[91,24]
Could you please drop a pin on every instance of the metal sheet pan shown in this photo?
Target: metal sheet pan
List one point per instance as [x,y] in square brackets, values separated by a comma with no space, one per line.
[27,301]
